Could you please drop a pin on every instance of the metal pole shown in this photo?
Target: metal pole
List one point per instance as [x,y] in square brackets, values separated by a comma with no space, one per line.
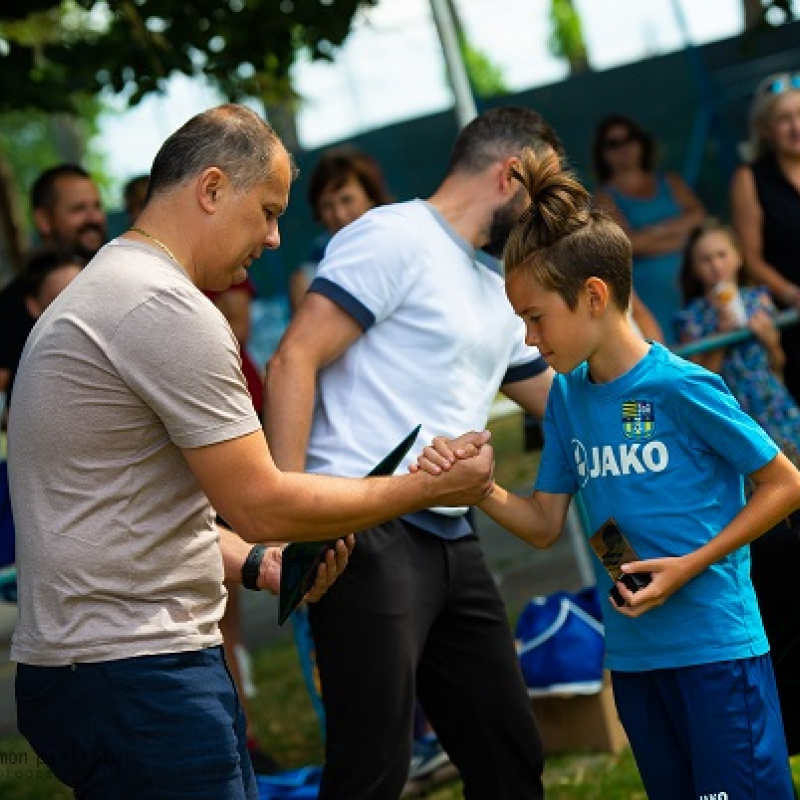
[707,117]
[576,527]
[465,108]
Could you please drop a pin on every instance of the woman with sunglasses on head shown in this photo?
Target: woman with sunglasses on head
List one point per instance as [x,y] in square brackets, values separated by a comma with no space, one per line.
[765,203]
[657,210]
[765,208]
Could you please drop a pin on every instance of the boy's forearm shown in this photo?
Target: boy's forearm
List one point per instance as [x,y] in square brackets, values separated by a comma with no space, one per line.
[521,516]
[771,502]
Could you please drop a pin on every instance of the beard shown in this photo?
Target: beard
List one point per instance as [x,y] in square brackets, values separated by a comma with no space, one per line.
[503,221]
[78,244]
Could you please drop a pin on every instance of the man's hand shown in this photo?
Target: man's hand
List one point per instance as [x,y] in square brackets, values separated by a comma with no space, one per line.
[331,568]
[269,577]
[467,482]
[442,453]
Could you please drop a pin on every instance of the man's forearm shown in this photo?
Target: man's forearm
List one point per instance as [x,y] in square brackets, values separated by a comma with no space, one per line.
[531,394]
[234,552]
[305,507]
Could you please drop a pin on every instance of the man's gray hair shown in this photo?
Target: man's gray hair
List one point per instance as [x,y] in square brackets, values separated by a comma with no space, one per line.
[231,137]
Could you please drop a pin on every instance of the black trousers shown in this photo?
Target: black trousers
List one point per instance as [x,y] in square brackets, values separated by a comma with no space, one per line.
[775,569]
[414,616]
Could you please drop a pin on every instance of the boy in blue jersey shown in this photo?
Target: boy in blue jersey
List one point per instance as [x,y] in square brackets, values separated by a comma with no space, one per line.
[661,446]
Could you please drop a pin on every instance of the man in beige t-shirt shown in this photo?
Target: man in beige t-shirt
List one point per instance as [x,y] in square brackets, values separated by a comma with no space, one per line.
[132,420]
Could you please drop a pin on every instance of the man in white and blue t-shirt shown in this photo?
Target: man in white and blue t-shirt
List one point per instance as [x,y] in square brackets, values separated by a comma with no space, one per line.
[404,325]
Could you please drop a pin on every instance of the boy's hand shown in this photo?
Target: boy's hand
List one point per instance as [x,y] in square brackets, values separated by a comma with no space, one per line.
[442,453]
[667,576]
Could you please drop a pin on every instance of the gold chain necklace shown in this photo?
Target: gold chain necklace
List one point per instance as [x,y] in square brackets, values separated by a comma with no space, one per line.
[157,242]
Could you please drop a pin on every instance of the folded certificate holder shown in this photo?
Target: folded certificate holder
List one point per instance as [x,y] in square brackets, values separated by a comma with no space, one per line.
[301,559]
[614,550]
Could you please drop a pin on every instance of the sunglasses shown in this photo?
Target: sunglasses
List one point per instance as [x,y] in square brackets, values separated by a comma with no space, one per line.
[616,142]
[783,83]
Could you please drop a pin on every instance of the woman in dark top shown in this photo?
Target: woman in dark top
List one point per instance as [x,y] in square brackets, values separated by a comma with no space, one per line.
[765,201]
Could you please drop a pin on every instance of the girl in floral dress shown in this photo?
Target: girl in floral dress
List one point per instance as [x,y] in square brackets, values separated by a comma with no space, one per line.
[752,368]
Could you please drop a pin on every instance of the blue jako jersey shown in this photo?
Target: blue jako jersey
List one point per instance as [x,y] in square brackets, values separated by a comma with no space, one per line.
[663,449]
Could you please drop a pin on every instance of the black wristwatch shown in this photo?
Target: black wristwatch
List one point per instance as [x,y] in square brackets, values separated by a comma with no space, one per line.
[252,567]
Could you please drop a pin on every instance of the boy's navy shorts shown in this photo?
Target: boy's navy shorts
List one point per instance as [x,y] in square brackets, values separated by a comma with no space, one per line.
[156,727]
[706,731]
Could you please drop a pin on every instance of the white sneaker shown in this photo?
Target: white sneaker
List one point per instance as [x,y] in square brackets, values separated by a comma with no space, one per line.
[245,662]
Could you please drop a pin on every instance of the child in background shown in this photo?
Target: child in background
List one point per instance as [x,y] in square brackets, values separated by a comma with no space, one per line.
[751,368]
[47,273]
[659,444]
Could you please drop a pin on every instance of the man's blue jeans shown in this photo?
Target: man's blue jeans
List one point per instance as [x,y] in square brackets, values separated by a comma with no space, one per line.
[160,727]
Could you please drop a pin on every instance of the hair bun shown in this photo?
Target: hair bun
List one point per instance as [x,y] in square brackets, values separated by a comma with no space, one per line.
[559,204]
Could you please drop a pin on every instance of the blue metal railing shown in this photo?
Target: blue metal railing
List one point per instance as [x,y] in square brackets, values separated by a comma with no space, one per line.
[782,320]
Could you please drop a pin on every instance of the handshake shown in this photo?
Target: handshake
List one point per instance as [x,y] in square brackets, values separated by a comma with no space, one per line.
[466,461]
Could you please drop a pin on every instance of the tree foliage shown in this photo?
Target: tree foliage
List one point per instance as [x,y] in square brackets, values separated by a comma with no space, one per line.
[52,51]
[485,76]
[58,55]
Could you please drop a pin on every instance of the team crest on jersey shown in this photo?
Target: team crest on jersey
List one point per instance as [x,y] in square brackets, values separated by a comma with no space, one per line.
[638,419]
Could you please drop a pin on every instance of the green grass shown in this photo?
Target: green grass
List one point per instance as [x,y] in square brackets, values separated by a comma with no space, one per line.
[288,729]
[24,777]
[287,725]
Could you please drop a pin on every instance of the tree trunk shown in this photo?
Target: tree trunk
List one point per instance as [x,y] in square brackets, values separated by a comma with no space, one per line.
[753,13]
[567,40]
[579,63]
[68,138]
[12,237]
[283,119]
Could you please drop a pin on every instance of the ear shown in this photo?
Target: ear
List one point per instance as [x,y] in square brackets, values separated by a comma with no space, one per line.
[507,183]
[598,295]
[42,223]
[211,186]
